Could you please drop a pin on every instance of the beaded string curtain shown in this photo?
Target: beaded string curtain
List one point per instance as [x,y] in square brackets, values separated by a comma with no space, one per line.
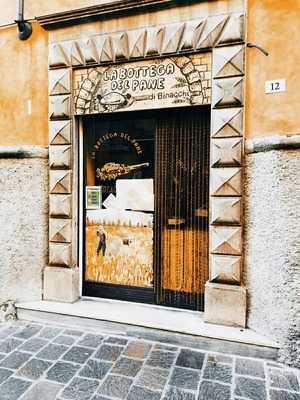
[182,203]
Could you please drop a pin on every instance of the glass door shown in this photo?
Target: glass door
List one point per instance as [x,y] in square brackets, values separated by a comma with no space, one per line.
[119,208]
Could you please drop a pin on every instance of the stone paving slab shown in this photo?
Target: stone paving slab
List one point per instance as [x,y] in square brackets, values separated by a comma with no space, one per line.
[116,386]
[33,345]
[109,352]
[50,362]
[161,359]
[137,349]
[95,369]
[153,378]
[52,352]
[62,372]
[218,372]
[34,369]
[91,340]
[185,378]
[43,391]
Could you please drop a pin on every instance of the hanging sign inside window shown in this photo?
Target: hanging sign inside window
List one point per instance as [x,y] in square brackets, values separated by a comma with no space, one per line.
[159,83]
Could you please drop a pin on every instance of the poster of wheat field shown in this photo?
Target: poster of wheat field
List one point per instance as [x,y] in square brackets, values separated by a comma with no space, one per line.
[119,248]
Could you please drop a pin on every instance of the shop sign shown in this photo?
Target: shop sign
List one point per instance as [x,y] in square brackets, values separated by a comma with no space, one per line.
[160,83]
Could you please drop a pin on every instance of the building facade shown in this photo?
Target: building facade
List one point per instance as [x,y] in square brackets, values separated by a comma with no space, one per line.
[149,153]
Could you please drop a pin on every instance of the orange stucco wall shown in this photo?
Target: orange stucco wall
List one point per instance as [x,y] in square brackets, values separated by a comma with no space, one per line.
[273,24]
[35,8]
[24,72]
[23,87]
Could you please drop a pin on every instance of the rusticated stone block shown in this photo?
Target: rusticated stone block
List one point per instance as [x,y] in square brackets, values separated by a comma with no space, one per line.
[159,40]
[226,210]
[234,30]
[225,269]
[228,92]
[212,31]
[59,107]
[155,38]
[227,122]
[192,34]
[173,38]
[226,182]
[59,81]
[226,240]
[137,43]
[121,46]
[77,57]
[60,230]
[107,50]
[60,157]
[61,284]
[133,44]
[60,132]
[60,205]
[226,152]
[89,51]
[60,254]
[59,55]
[60,182]
[228,61]
[225,304]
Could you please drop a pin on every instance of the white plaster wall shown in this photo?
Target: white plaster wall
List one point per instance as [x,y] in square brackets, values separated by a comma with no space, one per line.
[272,247]
[23,227]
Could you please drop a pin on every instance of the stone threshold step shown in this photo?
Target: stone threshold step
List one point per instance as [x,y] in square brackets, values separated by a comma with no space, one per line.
[150,322]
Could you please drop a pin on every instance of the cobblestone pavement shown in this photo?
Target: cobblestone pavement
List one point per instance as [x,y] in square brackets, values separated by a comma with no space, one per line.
[47,362]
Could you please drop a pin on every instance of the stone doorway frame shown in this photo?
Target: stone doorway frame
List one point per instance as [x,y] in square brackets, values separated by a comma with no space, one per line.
[223,35]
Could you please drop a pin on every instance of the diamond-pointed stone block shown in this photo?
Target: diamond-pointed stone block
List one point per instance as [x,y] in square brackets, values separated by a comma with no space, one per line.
[60,132]
[228,92]
[226,210]
[227,122]
[60,205]
[228,61]
[60,182]
[225,269]
[226,152]
[60,230]
[226,240]
[226,182]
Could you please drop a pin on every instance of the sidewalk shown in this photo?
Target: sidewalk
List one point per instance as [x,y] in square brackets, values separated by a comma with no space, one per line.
[47,362]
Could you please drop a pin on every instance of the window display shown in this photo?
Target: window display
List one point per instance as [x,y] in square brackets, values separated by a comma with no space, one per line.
[119,234]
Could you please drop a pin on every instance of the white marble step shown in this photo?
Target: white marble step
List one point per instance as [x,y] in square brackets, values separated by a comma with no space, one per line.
[142,315]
